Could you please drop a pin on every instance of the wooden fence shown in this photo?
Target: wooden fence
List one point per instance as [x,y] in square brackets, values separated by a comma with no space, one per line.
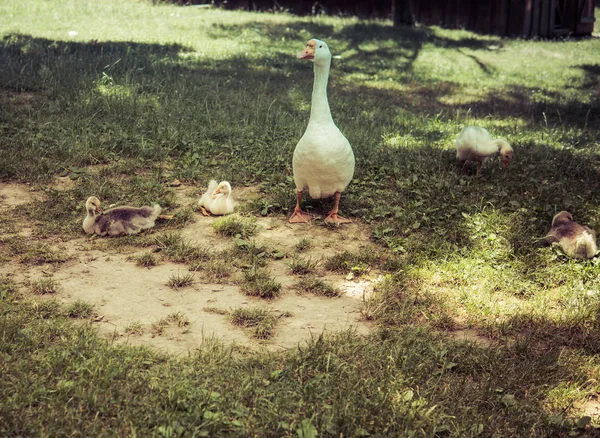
[517,18]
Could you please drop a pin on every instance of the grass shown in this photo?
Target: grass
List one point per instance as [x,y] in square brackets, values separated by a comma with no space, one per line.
[262,320]
[259,283]
[80,309]
[146,260]
[303,244]
[145,93]
[178,250]
[316,286]
[235,225]
[135,328]
[178,280]
[158,327]
[302,266]
[44,286]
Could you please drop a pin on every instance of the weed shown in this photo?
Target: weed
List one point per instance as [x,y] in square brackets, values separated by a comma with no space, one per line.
[135,328]
[178,280]
[235,225]
[80,309]
[8,288]
[316,286]
[146,260]
[261,319]
[347,261]
[178,319]
[44,286]
[302,266]
[177,250]
[303,244]
[258,283]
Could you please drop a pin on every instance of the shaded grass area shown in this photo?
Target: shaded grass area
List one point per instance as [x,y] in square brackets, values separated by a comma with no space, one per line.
[334,385]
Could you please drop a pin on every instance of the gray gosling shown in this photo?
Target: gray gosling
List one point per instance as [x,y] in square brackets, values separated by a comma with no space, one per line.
[577,241]
[118,221]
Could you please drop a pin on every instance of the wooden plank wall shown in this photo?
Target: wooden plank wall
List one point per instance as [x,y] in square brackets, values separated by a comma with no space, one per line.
[515,18]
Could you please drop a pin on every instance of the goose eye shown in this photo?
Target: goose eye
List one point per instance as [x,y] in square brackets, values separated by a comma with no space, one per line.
[321,46]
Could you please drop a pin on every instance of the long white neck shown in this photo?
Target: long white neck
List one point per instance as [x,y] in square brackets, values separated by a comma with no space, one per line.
[319,109]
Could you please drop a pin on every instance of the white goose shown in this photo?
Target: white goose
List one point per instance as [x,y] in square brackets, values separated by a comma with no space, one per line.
[475,143]
[323,159]
[217,199]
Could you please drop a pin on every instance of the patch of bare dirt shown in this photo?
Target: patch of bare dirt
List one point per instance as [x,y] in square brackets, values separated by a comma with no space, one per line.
[130,301]
[12,195]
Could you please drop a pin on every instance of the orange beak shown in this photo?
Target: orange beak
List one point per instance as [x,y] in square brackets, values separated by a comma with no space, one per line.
[215,193]
[309,51]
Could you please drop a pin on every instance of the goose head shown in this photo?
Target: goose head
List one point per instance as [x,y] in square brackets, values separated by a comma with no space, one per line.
[92,205]
[224,188]
[562,217]
[316,51]
[506,152]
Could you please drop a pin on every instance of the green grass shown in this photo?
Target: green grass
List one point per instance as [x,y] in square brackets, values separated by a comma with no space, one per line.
[259,283]
[44,286]
[145,93]
[261,320]
[302,265]
[316,286]
[146,260]
[179,280]
[80,309]
[178,250]
[235,225]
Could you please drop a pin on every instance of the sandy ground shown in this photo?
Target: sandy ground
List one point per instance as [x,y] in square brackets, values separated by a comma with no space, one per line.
[125,295]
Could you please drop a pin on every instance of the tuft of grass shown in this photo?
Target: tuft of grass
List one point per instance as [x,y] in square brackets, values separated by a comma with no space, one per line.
[358,263]
[262,320]
[302,266]
[303,244]
[316,286]
[8,288]
[178,319]
[236,225]
[80,309]
[44,286]
[258,283]
[179,280]
[146,260]
[31,253]
[178,250]
[135,328]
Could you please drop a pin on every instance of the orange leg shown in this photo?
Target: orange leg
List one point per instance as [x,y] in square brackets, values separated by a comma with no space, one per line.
[299,216]
[333,217]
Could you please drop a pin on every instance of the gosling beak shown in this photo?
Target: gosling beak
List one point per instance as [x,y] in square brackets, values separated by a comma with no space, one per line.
[98,210]
[505,163]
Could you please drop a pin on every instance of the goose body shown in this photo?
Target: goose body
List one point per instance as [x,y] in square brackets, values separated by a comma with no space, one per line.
[118,221]
[217,199]
[475,143]
[577,241]
[323,160]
